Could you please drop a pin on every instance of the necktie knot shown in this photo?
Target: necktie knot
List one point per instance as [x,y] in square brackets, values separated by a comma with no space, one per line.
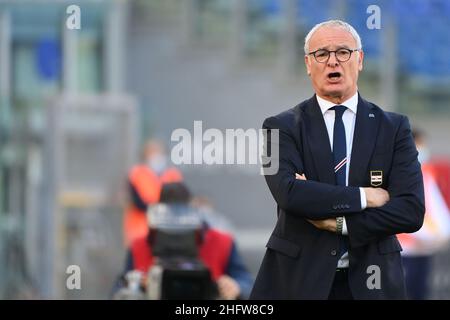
[339,110]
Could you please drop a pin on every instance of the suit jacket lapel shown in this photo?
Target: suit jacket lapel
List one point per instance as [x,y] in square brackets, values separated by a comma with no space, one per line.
[364,138]
[319,142]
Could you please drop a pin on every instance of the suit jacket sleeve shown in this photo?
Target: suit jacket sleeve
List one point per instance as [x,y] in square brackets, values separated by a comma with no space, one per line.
[308,199]
[405,210]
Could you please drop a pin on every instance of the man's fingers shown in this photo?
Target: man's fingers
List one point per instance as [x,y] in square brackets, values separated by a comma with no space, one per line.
[326,224]
[376,197]
[300,176]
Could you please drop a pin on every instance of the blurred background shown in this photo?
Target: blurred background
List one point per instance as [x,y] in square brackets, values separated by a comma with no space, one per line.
[77,105]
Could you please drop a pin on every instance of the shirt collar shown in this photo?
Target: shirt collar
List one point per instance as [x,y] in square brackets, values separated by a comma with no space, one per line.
[351,103]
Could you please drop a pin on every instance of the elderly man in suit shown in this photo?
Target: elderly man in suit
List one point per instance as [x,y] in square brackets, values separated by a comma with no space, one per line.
[348,182]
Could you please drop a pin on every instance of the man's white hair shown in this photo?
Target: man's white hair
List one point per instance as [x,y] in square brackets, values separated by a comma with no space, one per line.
[333,23]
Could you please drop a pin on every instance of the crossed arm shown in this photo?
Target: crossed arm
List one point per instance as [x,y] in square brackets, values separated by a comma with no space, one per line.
[376,197]
[396,210]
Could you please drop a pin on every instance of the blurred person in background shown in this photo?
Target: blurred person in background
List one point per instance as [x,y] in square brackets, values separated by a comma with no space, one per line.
[420,247]
[145,181]
[218,251]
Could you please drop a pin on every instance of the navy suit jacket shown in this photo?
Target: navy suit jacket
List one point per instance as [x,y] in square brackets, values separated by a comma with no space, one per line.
[300,260]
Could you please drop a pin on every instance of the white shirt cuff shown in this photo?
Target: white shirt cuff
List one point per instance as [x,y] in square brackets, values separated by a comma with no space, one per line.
[344,227]
[363,198]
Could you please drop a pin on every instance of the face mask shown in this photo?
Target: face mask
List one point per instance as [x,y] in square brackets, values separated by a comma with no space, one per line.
[424,154]
[158,163]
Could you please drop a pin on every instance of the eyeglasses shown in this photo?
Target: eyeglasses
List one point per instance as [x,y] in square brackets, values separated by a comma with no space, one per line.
[342,54]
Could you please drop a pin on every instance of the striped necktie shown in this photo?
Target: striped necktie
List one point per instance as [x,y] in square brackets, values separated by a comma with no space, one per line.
[340,158]
[339,146]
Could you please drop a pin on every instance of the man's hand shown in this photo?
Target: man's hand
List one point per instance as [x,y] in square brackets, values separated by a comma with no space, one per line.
[327,224]
[376,197]
[228,288]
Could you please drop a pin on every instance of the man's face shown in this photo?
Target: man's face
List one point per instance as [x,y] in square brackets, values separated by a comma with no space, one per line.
[334,80]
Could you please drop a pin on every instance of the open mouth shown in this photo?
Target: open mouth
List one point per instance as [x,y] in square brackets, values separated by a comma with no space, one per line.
[334,76]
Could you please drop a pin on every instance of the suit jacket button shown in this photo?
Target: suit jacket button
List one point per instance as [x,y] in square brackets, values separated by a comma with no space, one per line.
[333,252]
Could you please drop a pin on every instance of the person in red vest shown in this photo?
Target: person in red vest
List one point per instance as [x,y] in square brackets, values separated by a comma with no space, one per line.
[145,181]
[218,251]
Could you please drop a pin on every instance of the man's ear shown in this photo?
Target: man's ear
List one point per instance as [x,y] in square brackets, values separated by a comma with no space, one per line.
[360,60]
[307,64]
